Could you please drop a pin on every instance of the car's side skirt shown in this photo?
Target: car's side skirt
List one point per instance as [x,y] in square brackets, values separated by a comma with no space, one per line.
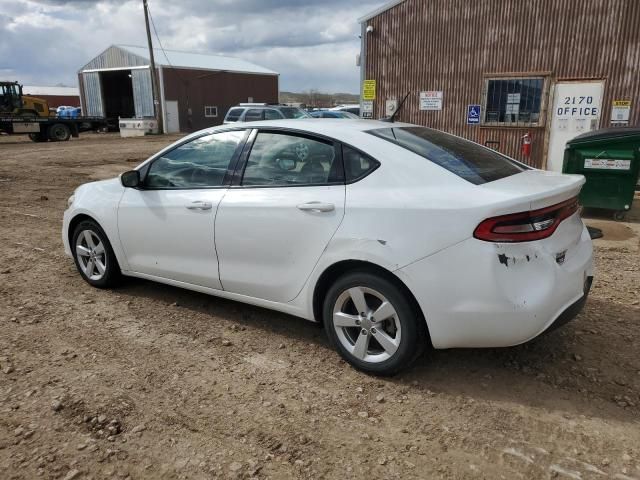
[259,302]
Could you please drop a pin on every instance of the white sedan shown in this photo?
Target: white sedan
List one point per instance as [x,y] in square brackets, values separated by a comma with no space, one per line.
[394,236]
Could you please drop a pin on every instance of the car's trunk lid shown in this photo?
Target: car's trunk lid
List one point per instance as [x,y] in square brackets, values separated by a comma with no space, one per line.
[534,189]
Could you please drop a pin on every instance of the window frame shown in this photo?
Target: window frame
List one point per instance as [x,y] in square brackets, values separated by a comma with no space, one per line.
[146,166]
[544,98]
[211,116]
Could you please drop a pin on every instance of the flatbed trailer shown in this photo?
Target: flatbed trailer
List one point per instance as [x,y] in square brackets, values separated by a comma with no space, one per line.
[56,129]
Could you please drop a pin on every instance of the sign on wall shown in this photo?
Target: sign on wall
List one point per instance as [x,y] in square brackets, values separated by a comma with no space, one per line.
[607,164]
[367,109]
[473,114]
[369,90]
[620,110]
[431,100]
[390,106]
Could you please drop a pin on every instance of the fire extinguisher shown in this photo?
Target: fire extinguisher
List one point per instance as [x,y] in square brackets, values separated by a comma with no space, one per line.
[526,145]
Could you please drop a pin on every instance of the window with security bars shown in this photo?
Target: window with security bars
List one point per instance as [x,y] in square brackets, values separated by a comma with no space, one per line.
[514,101]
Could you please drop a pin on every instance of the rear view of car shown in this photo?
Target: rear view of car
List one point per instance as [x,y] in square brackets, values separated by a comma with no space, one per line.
[254,112]
[527,267]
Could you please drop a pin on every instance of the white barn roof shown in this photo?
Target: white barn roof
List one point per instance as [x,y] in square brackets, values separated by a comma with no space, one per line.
[123,56]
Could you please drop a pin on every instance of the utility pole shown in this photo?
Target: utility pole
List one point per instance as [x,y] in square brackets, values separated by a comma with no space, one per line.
[157,107]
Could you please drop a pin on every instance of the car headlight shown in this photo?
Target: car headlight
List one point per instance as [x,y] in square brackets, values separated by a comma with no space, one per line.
[70,200]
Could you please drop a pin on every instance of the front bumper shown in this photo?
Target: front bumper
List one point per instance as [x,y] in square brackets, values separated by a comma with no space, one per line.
[66,219]
[481,294]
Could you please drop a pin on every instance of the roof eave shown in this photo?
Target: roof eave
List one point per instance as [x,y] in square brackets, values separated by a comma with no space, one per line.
[379,10]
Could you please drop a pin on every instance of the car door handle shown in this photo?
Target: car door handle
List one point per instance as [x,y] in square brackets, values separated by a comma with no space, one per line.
[199,205]
[317,207]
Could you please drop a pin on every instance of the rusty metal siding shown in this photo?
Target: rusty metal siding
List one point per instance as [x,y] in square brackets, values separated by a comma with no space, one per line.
[195,89]
[454,45]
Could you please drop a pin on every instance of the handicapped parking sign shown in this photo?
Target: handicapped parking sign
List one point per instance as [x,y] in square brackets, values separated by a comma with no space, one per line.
[473,114]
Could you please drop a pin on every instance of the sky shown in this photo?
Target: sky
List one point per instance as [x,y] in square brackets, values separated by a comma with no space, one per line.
[312,44]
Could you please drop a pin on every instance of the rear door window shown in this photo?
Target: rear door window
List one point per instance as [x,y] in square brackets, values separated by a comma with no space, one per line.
[272,115]
[234,114]
[468,160]
[283,159]
[254,114]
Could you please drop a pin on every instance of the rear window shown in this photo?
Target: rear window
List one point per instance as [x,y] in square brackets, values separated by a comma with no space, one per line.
[234,114]
[466,159]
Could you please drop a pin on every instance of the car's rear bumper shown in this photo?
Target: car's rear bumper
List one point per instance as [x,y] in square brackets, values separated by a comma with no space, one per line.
[572,310]
[482,294]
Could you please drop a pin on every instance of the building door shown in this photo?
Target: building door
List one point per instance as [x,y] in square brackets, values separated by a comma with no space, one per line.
[577,107]
[171,114]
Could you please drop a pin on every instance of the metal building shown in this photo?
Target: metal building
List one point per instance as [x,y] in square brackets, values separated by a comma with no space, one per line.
[495,71]
[196,89]
[55,96]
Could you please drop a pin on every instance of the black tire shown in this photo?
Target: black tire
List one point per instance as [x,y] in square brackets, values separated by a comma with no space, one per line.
[620,215]
[38,137]
[111,275]
[59,132]
[414,337]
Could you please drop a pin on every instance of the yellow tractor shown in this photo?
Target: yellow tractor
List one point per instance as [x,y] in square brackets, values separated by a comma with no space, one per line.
[13,103]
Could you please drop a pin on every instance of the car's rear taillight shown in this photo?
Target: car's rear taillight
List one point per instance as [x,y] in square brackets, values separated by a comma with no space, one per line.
[526,226]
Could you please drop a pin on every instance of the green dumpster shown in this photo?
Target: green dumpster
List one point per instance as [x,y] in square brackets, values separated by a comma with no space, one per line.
[610,161]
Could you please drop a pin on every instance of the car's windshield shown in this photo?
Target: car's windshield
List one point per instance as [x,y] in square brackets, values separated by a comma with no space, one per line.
[293,112]
[468,160]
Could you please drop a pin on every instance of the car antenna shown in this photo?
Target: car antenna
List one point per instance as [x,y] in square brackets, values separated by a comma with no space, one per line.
[393,115]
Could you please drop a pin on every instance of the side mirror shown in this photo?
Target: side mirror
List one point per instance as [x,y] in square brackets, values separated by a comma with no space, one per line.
[130,179]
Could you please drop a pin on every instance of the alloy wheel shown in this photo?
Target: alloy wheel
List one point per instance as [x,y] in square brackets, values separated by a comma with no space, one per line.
[366,324]
[91,255]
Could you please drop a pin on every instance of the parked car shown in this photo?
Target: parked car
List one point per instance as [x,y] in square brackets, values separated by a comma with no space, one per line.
[394,236]
[253,112]
[333,114]
[351,108]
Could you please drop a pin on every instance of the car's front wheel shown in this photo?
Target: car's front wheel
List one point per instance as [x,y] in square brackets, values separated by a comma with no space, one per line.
[94,256]
[373,324]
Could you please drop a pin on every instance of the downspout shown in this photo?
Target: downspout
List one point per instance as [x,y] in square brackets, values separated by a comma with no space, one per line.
[363,59]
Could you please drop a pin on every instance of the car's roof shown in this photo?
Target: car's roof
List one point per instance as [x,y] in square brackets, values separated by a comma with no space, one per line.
[264,106]
[332,127]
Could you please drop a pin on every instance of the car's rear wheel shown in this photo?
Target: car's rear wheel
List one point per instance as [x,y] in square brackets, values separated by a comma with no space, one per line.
[373,324]
[93,255]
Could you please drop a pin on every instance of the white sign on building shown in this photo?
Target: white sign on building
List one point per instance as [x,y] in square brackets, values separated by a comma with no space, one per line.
[431,100]
[367,109]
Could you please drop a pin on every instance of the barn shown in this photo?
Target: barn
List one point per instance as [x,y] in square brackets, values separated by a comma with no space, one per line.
[54,96]
[504,72]
[196,89]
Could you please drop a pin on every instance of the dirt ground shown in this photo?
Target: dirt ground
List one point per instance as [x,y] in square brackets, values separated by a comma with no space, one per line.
[150,381]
